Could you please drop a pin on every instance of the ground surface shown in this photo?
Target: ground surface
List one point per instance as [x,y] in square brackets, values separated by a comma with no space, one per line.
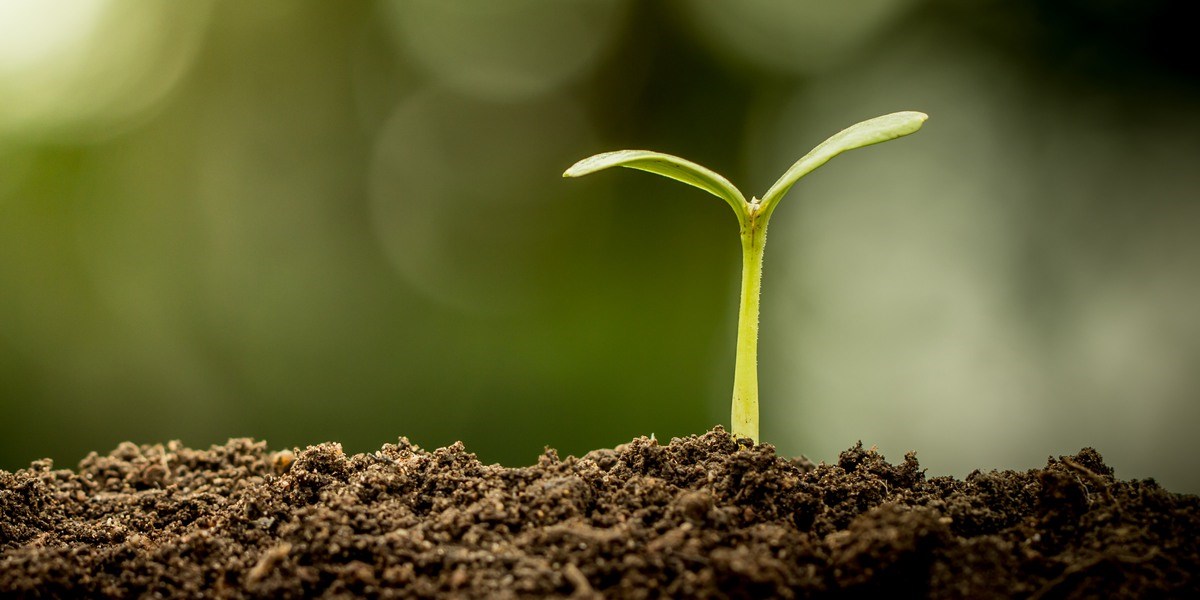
[697,517]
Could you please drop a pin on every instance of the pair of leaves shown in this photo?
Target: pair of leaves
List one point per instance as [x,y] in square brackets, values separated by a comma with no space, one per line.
[866,133]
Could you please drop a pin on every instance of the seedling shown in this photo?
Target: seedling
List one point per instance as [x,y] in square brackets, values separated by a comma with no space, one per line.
[752,216]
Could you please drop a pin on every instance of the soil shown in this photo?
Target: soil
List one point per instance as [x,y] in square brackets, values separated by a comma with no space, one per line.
[704,516]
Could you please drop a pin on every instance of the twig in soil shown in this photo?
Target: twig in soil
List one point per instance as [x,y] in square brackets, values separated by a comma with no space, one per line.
[267,562]
[1074,575]
[583,589]
[1090,475]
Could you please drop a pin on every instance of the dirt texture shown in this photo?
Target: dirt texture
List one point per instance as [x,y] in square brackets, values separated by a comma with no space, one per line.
[704,516]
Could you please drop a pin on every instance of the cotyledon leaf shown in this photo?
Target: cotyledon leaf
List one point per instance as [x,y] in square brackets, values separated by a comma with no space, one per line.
[668,166]
[866,133]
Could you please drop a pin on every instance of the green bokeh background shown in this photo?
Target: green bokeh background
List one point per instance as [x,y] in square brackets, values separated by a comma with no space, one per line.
[311,221]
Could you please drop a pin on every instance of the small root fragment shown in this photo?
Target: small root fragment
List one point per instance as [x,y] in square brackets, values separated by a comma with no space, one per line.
[267,562]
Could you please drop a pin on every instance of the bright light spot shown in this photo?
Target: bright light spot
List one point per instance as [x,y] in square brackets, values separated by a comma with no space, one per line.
[86,69]
[33,32]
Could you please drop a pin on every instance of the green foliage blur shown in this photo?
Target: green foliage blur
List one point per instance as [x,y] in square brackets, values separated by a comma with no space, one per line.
[307,221]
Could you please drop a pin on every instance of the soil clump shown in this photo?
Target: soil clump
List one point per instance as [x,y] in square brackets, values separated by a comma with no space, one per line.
[703,516]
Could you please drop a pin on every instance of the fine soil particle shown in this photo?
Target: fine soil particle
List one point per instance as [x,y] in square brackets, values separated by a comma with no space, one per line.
[705,516]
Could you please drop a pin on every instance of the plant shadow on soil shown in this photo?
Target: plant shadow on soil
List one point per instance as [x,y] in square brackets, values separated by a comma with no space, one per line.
[704,516]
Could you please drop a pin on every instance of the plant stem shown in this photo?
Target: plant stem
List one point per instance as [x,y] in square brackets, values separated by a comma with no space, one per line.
[744,417]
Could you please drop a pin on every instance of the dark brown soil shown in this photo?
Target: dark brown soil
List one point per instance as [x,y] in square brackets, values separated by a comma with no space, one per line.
[700,517]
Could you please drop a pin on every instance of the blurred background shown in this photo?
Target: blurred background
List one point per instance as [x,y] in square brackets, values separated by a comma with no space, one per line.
[310,221]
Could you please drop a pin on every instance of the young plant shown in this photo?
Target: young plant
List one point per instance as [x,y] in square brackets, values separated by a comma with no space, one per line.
[752,216]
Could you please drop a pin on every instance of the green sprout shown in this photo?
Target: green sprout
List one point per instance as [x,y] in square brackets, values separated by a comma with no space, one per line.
[752,217]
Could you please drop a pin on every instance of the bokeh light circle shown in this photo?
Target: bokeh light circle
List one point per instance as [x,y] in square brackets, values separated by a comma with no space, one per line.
[512,49]
[456,188]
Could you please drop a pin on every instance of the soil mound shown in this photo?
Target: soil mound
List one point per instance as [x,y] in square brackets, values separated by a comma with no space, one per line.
[704,516]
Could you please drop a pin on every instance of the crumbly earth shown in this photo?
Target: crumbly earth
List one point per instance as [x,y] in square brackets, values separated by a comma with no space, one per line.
[704,516]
